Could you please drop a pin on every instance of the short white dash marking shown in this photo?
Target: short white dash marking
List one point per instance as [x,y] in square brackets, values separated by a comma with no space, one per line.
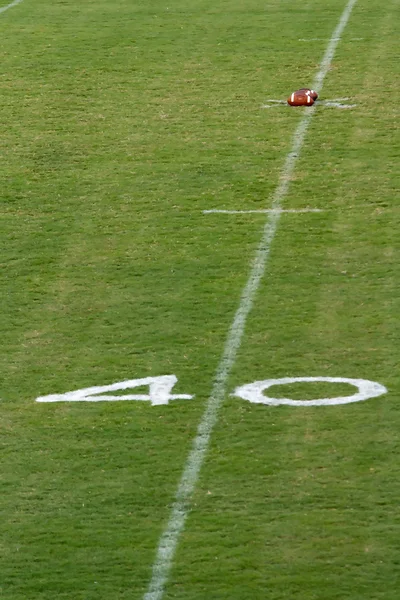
[272,103]
[4,8]
[324,39]
[332,104]
[181,505]
[262,211]
[335,103]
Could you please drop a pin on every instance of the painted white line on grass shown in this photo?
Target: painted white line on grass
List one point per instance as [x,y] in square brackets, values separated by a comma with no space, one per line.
[4,8]
[275,102]
[262,211]
[337,104]
[324,39]
[181,505]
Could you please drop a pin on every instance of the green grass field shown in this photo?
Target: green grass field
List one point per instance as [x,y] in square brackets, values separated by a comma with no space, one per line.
[121,122]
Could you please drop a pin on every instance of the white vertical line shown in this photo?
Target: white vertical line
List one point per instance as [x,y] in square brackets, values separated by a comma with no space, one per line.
[181,506]
[4,8]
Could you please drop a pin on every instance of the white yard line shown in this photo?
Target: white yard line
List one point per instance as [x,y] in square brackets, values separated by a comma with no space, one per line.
[4,8]
[337,104]
[261,211]
[181,505]
[324,39]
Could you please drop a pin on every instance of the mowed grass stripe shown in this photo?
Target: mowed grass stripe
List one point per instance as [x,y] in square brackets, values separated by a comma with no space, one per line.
[295,502]
[111,271]
[93,195]
[181,506]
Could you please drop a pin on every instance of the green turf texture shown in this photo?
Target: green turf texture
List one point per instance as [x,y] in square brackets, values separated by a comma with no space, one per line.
[121,123]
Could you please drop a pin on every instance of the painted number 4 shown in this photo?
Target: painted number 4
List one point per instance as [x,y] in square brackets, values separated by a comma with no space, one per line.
[159,392]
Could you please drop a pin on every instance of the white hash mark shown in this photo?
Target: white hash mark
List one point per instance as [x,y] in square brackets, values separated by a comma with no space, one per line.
[335,103]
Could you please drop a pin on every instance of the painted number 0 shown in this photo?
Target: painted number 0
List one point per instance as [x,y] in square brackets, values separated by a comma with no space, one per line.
[253,392]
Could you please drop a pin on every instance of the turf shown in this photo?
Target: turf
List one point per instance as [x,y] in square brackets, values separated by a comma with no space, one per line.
[121,123]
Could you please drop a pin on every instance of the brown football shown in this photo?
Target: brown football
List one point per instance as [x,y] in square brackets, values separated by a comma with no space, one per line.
[312,93]
[300,98]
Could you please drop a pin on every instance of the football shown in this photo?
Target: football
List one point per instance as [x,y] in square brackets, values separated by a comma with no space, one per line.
[312,93]
[300,98]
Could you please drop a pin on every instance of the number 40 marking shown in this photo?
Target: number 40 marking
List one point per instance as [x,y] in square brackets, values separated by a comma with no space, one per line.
[160,391]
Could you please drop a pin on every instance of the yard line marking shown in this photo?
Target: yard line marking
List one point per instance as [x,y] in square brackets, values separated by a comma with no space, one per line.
[335,100]
[337,104]
[181,505]
[4,8]
[324,39]
[261,211]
